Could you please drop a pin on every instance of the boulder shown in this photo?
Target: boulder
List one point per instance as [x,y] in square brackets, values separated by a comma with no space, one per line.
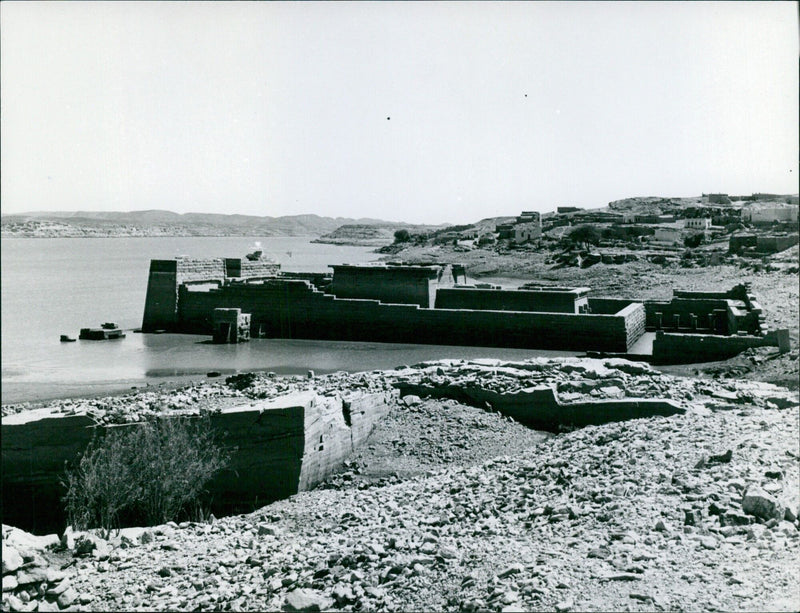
[10,583]
[306,600]
[11,559]
[25,543]
[759,503]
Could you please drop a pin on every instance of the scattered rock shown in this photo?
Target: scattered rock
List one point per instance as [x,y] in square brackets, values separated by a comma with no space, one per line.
[306,600]
[759,503]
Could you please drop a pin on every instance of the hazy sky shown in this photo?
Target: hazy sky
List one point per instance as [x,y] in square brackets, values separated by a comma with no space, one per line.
[421,112]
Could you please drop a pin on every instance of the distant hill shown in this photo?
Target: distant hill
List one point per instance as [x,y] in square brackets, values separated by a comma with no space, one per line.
[372,234]
[167,223]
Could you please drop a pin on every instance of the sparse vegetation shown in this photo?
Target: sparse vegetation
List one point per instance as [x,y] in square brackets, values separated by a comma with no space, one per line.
[143,474]
[694,240]
[586,235]
[401,236]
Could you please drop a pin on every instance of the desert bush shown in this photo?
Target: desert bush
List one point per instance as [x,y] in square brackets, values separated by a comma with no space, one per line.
[143,474]
[401,236]
[693,240]
[585,234]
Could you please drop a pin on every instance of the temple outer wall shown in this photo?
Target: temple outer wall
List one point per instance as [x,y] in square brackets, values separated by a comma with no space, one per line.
[166,276]
[669,348]
[509,300]
[683,308]
[391,284]
[292,309]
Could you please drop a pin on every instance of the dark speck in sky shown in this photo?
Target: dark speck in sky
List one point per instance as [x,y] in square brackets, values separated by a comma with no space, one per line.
[388,118]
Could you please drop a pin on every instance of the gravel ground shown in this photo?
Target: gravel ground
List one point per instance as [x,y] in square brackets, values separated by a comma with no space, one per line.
[649,514]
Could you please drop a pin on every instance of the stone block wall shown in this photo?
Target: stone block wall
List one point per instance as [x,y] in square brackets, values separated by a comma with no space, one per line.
[774,244]
[738,242]
[737,292]
[334,428]
[683,308]
[508,300]
[293,309]
[670,348]
[389,284]
[244,268]
[607,306]
[635,322]
[200,269]
[275,451]
[231,326]
[161,300]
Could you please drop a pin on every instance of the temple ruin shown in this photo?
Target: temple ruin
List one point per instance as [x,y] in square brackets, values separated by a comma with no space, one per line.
[433,304]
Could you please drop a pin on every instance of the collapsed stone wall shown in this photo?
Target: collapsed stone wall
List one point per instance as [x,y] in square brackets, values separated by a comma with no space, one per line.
[540,408]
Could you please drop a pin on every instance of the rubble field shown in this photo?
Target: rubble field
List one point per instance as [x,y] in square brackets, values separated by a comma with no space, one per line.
[458,508]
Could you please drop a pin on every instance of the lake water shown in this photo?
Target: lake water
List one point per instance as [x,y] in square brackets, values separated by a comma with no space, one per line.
[57,286]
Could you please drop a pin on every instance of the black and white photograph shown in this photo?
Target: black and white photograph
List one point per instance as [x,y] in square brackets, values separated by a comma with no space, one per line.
[455,306]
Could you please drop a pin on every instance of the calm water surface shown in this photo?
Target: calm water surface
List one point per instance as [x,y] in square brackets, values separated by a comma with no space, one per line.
[57,286]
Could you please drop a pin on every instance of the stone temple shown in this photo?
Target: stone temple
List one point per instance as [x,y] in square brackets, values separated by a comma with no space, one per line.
[434,304]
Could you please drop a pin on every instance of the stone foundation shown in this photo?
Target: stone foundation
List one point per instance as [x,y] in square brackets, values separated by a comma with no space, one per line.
[277,448]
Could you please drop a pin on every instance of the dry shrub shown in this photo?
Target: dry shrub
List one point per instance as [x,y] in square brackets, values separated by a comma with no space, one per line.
[142,474]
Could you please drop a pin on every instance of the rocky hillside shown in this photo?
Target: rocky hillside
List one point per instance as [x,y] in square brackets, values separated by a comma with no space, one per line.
[455,508]
[167,223]
[369,235]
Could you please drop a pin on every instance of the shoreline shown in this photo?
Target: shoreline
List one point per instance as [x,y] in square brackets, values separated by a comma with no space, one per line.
[19,400]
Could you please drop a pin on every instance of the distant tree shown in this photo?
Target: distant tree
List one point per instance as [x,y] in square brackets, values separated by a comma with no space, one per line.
[401,236]
[615,233]
[586,235]
[693,240]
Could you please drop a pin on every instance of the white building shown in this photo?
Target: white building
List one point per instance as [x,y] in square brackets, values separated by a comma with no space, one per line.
[768,214]
[698,223]
[667,235]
